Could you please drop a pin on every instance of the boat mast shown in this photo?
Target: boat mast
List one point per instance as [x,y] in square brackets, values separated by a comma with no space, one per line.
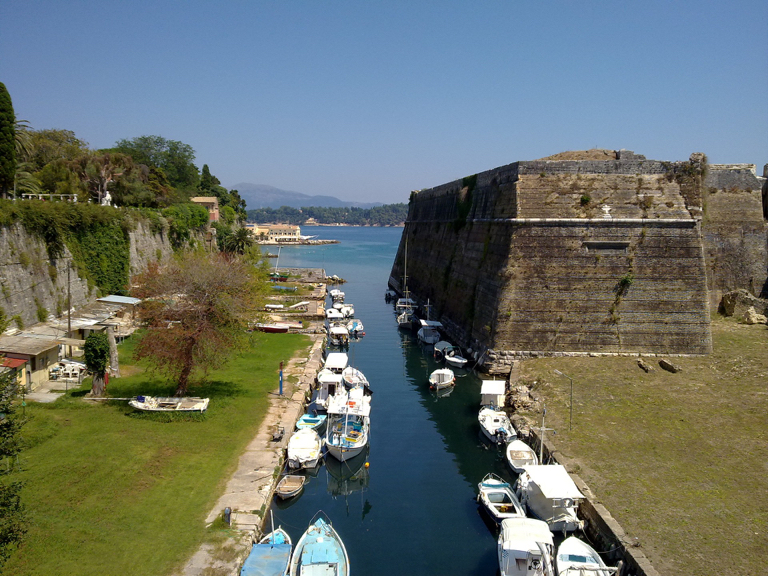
[541,436]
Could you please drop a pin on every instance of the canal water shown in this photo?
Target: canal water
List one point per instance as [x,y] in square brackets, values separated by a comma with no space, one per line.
[413,509]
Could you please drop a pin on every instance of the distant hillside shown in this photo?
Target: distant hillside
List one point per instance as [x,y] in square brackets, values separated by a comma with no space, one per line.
[265,196]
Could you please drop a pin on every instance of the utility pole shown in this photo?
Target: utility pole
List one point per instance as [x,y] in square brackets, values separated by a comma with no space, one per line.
[541,436]
[570,422]
[69,307]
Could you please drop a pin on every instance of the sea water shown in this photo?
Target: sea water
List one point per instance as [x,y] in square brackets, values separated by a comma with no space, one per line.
[413,509]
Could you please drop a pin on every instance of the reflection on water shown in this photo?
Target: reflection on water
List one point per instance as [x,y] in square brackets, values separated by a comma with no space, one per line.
[413,510]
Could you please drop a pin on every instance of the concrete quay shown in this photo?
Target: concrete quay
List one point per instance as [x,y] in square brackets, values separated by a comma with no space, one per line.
[249,490]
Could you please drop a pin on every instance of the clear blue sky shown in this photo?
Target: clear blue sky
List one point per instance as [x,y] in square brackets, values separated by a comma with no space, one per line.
[368,100]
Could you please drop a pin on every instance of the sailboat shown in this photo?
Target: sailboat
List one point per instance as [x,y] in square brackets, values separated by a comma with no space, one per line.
[404,306]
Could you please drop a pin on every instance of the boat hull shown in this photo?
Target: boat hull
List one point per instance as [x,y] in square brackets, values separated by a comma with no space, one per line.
[320,541]
[169,404]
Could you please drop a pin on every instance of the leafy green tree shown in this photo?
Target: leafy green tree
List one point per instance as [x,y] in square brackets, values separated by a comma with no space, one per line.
[46,146]
[98,170]
[196,311]
[174,158]
[12,514]
[96,352]
[183,219]
[7,142]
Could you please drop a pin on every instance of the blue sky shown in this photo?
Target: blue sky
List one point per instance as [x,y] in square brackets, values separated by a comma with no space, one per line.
[368,100]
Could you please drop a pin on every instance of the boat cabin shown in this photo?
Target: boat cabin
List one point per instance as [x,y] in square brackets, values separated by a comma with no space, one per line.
[493,393]
[336,362]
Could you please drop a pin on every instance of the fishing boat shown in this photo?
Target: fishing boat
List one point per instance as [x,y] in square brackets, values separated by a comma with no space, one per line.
[320,552]
[525,548]
[498,499]
[519,454]
[428,333]
[496,426]
[355,328]
[493,393]
[169,404]
[304,449]
[442,378]
[549,494]
[328,384]
[314,421]
[270,556]
[406,319]
[333,314]
[290,485]
[577,558]
[273,327]
[348,424]
[348,311]
[336,362]
[338,335]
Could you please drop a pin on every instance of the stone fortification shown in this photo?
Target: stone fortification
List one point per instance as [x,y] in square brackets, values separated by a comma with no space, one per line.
[561,256]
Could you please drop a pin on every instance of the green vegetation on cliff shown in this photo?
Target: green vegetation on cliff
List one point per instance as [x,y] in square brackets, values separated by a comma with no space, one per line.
[386,215]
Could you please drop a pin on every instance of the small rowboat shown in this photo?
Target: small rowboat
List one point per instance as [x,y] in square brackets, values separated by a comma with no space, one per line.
[290,485]
[519,454]
[442,378]
[169,404]
[316,422]
[498,499]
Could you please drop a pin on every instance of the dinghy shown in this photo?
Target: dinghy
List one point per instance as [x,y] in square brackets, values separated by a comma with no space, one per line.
[496,426]
[498,499]
[442,378]
[315,422]
[270,556]
[320,552]
[290,485]
[577,558]
[169,404]
[519,454]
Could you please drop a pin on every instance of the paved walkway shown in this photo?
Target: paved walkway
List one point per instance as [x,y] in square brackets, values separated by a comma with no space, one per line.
[249,491]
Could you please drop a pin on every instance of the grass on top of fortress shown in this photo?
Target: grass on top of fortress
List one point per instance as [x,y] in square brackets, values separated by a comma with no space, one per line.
[679,459]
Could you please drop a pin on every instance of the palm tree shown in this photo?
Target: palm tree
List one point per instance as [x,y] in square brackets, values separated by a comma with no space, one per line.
[238,242]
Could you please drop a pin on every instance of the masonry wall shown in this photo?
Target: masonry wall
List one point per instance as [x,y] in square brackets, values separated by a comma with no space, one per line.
[522,259]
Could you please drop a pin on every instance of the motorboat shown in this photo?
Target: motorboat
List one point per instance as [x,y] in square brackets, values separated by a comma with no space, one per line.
[336,362]
[349,421]
[519,454]
[493,393]
[329,383]
[429,333]
[355,328]
[442,378]
[498,499]
[496,426]
[338,305]
[333,314]
[352,377]
[525,548]
[169,404]
[320,552]
[273,327]
[336,295]
[549,493]
[338,335]
[290,485]
[314,421]
[456,361]
[577,558]
[270,556]
[304,449]
[451,354]
[347,311]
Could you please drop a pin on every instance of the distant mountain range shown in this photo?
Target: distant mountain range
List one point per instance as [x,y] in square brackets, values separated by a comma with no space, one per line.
[265,196]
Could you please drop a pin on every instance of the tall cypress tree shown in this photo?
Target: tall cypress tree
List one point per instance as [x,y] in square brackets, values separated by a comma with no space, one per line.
[7,142]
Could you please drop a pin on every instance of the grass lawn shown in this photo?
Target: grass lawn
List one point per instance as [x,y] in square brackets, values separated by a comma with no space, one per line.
[113,491]
[679,459]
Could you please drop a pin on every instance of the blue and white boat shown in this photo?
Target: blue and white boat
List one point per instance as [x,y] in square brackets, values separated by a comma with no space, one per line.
[348,424]
[270,556]
[320,552]
[316,422]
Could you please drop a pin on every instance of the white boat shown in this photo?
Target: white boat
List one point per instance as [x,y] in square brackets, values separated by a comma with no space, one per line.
[273,327]
[338,305]
[338,335]
[304,449]
[577,558]
[349,421]
[496,426]
[352,377]
[347,311]
[519,454]
[333,314]
[314,421]
[320,552]
[493,393]
[549,493]
[456,361]
[289,486]
[337,295]
[336,362]
[451,354]
[329,383]
[525,548]
[355,328]
[498,499]
[428,333]
[405,304]
[270,556]
[442,378]
[406,319]
[169,404]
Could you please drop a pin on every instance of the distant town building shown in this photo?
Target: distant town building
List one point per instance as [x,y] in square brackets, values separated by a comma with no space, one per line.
[275,232]
[210,203]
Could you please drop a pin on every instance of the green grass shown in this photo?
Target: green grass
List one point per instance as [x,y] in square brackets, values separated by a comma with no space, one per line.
[679,459]
[112,491]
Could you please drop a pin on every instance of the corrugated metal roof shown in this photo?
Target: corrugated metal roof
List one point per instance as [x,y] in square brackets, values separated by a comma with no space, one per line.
[115,299]
[25,345]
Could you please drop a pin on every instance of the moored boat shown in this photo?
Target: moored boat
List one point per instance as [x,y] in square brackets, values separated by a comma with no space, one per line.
[329,383]
[314,421]
[428,333]
[496,426]
[442,378]
[289,486]
[304,449]
[519,454]
[320,552]
[549,493]
[348,424]
[525,548]
[270,556]
[498,499]
[169,404]
[577,558]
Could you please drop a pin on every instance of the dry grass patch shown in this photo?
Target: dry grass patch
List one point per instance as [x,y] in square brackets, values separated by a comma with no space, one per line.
[679,459]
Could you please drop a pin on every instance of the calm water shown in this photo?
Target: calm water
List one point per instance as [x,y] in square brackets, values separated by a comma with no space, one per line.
[413,511]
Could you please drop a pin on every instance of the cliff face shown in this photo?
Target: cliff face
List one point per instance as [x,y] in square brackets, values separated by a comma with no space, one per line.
[560,256]
[33,286]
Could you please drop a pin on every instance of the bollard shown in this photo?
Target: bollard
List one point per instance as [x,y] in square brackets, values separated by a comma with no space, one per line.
[228,515]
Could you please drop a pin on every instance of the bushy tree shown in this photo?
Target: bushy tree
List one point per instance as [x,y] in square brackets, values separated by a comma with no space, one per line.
[12,514]
[195,310]
[7,142]
[174,158]
[96,352]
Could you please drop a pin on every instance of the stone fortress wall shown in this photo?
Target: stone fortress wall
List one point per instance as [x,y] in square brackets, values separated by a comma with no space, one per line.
[581,256]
